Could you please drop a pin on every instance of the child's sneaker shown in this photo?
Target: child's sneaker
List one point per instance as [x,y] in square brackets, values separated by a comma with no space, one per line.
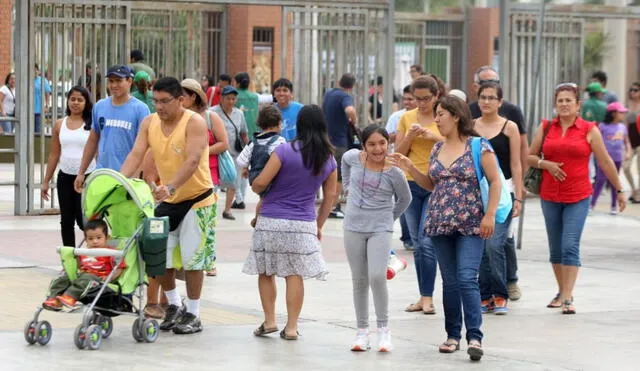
[614,211]
[68,302]
[384,342]
[487,306]
[362,341]
[500,306]
[52,304]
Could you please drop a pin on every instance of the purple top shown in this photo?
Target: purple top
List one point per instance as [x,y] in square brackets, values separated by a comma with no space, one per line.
[455,204]
[293,190]
[613,136]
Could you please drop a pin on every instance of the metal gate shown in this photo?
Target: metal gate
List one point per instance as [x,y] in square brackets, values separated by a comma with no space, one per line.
[325,42]
[75,41]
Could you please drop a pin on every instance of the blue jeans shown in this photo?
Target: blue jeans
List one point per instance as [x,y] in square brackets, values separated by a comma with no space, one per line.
[512,259]
[493,269]
[424,254]
[459,258]
[7,127]
[565,223]
[38,120]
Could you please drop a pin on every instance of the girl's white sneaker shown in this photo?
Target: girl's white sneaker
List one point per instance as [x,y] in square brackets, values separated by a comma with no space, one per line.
[384,343]
[361,343]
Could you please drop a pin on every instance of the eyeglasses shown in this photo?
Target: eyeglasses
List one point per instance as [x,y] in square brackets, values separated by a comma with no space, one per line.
[489,98]
[162,101]
[495,81]
[567,85]
[634,90]
[427,98]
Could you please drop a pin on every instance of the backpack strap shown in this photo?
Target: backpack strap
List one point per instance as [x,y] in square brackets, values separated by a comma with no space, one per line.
[476,149]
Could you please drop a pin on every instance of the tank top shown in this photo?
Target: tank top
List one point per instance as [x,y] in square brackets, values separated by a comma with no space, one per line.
[502,148]
[71,149]
[170,155]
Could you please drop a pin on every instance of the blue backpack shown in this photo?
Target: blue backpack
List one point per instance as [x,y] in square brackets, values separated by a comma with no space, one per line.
[506,204]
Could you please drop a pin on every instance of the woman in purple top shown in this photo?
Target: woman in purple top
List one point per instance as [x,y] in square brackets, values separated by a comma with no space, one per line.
[616,140]
[286,242]
[456,221]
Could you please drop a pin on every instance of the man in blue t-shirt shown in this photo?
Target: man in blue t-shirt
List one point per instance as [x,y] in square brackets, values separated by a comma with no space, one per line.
[39,83]
[283,93]
[340,113]
[115,122]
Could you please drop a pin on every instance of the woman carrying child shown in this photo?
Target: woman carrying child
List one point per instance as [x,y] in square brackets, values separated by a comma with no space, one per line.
[372,184]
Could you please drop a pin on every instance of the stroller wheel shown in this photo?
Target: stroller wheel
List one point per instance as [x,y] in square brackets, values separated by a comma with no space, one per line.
[150,330]
[30,332]
[106,324]
[80,337]
[44,332]
[94,337]
[135,330]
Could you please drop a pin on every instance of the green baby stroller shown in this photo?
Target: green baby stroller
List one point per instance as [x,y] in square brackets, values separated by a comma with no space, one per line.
[127,205]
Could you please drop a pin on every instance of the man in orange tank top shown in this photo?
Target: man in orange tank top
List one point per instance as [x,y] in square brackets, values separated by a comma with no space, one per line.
[177,139]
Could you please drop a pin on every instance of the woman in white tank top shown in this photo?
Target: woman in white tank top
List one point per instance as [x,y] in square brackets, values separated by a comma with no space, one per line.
[69,137]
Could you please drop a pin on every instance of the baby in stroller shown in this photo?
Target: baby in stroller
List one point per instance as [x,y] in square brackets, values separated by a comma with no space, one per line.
[64,292]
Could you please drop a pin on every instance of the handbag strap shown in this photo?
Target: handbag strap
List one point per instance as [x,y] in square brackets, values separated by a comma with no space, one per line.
[232,123]
[545,130]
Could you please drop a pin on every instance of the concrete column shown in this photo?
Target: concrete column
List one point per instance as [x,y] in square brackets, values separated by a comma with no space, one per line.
[615,58]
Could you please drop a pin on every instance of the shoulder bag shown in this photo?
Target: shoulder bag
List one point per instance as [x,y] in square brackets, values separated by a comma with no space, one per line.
[238,145]
[226,167]
[533,177]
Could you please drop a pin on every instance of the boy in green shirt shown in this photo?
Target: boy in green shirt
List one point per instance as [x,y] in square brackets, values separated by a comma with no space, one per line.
[142,92]
[247,102]
[594,109]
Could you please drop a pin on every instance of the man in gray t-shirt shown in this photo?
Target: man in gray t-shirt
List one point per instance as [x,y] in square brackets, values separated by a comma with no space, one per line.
[236,127]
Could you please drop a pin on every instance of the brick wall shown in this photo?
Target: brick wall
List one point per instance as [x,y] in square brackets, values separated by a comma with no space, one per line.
[6,46]
[241,19]
[484,27]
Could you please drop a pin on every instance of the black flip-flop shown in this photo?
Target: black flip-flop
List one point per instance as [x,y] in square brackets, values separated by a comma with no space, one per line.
[449,347]
[261,331]
[289,337]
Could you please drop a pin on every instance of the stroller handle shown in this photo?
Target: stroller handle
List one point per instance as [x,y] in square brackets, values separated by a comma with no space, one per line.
[95,252]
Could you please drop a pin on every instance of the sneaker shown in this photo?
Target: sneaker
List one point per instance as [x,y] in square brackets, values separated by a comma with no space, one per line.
[69,302]
[514,291]
[614,211]
[188,324]
[487,306]
[171,317]
[336,214]
[238,205]
[384,342]
[52,303]
[361,343]
[500,306]
[228,216]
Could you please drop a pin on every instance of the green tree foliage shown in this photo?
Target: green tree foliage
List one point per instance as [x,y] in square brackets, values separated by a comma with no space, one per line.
[594,50]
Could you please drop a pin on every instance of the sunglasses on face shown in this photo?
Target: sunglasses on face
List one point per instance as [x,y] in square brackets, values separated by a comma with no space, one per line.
[495,81]
[567,85]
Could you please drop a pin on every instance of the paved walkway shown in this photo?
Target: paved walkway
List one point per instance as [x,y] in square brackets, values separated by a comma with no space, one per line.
[602,336]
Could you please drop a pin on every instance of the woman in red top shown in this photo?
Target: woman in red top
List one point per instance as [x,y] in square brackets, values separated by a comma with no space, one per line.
[566,187]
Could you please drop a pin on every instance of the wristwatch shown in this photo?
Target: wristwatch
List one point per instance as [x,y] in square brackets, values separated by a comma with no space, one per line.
[171,189]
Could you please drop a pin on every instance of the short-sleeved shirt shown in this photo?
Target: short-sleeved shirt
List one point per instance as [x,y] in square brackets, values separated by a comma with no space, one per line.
[248,103]
[234,129]
[146,99]
[420,150]
[614,136]
[507,110]
[333,105]
[293,190]
[574,151]
[455,206]
[394,119]
[118,128]
[99,266]
[289,120]
[9,102]
[593,109]
[37,104]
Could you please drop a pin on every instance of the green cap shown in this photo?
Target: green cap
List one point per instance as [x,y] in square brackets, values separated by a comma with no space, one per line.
[595,87]
[142,75]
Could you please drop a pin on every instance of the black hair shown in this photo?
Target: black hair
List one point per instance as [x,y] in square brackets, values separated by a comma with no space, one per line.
[372,129]
[379,80]
[225,77]
[347,81]
[608,116]
[312,135]
[460,109]
[37,67]
[407,89]
[282,83]
[169,85]
[269,117]
[426,82]
[417,67]
[198,101]
[209,79]
[491,85]
[96,224]
[136,55]
[6,79]
[600,76]
[88,104]
[243,80]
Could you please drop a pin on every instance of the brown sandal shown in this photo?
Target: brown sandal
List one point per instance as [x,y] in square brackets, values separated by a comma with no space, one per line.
[284,335]
[568,308]
[555,302]
[432,310]
[415,307]
[449,346]
[260,331]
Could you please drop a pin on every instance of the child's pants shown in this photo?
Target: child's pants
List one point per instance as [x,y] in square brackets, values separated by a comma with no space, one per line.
[601,180]
[77,288]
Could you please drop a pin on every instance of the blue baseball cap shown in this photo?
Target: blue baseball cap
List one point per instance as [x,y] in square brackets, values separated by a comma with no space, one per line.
[229,90]
[120,70]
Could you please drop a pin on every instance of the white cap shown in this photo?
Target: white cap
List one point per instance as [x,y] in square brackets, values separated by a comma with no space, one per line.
[459,94]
